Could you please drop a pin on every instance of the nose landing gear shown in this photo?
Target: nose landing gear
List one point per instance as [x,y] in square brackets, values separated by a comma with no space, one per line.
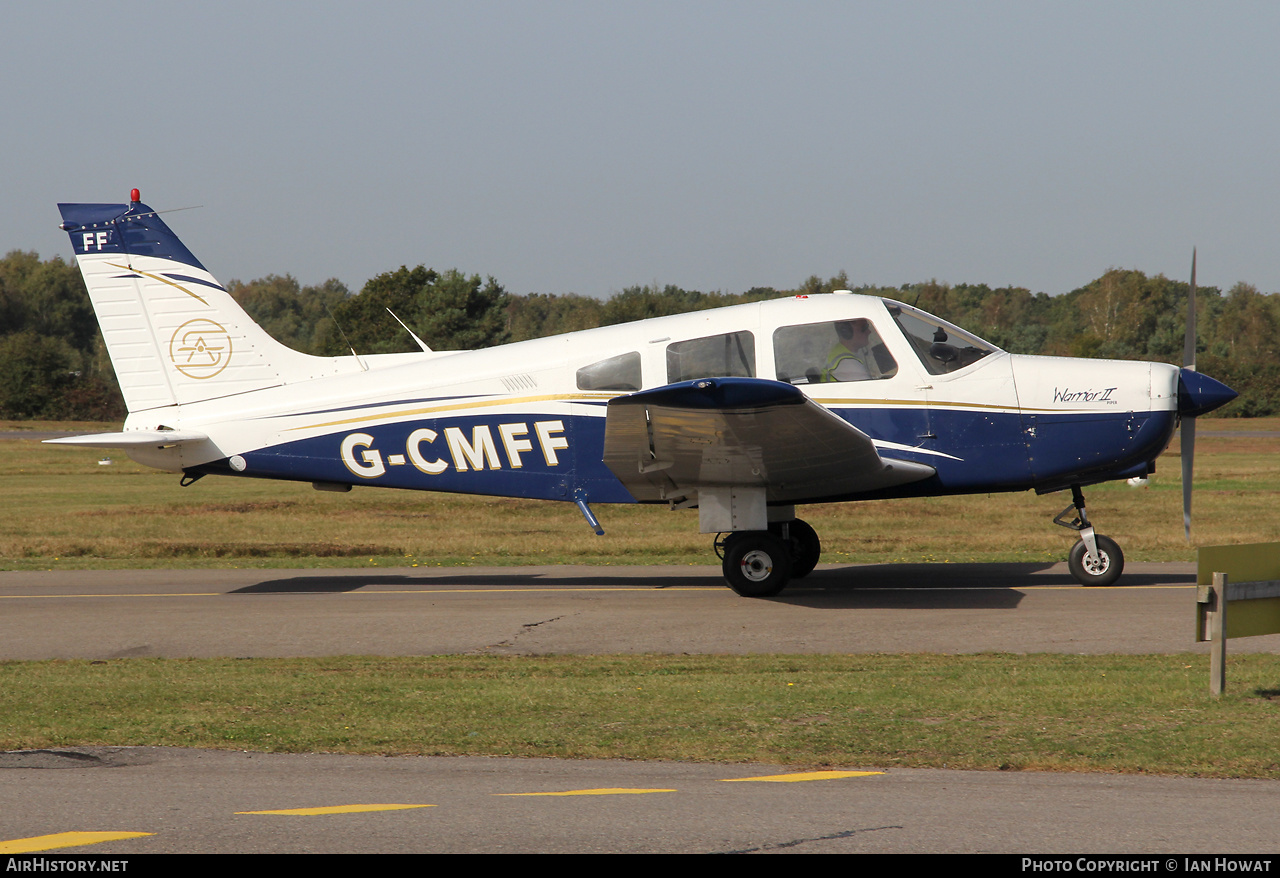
[1095,560]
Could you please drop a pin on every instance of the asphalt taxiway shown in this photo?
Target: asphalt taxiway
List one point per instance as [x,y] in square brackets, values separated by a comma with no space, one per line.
[199,801]
[943,608]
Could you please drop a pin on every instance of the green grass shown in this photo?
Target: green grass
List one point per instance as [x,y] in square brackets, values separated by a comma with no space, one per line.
[64,511]
[1038,712]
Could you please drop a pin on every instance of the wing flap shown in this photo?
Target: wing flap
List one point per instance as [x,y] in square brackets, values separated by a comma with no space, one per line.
[666,443]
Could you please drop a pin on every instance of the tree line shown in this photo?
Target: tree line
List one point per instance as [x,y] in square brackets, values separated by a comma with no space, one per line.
[54,365]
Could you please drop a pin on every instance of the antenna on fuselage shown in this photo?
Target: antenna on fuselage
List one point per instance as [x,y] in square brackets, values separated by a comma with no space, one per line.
[363,366]
[422,344]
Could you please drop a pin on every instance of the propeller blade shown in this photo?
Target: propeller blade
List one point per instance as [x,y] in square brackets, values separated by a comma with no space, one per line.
[1188,465]
[1189,423]
[1189,344]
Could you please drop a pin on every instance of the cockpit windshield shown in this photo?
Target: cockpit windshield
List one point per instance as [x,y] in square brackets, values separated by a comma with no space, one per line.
[941,346]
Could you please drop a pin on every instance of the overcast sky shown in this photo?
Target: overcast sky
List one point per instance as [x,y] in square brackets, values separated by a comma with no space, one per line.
[586,147]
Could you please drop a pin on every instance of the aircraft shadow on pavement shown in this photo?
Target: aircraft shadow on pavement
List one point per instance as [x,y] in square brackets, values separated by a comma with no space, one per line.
[924,586]
[970,576]
[942,586]
[357,581]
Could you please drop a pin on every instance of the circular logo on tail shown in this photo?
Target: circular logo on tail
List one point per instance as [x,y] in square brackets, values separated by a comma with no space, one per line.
[200,348]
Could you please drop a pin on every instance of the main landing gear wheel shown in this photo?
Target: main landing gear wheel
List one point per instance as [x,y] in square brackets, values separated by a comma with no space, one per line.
[757,564]
[805,546]
[1103,570]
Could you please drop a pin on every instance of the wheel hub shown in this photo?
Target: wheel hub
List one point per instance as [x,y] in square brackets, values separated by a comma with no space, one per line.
[757,565]
[1098,564]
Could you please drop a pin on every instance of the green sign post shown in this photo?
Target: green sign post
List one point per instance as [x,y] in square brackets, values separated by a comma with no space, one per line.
[1246,579]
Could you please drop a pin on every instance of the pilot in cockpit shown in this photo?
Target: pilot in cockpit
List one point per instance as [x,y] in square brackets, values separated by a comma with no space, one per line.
[851,358]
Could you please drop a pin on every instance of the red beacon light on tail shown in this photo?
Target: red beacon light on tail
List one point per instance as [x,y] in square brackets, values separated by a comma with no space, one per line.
[135,196]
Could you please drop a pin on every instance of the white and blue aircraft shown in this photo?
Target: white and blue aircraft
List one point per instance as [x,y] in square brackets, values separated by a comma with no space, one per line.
[743,412]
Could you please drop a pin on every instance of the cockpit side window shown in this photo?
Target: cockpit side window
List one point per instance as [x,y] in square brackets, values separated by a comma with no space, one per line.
[616,373]
[941,347]
[835,351]
[716,356]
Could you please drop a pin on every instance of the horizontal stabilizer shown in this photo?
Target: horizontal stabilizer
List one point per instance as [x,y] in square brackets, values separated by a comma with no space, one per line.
[131,439]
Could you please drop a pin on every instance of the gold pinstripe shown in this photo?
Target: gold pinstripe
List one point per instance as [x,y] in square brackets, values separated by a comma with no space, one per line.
[488,403]
[163,280]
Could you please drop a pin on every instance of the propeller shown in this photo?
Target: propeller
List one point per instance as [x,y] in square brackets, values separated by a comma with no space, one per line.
[1197,395]
[1189,422]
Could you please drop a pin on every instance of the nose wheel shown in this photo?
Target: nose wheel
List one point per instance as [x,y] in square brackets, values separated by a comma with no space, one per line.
[1095,560]
[1103,568]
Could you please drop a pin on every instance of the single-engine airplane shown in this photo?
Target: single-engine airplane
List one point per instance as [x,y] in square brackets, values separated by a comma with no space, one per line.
[742,412]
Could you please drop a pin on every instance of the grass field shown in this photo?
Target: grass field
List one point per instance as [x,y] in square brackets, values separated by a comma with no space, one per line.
[1149,714]
[63,510]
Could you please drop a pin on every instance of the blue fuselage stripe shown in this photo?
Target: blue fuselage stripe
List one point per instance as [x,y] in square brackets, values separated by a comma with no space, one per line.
[554,457]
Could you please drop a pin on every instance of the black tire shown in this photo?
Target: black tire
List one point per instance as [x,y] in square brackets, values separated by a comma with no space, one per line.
[1102,572]
[805,546]
[756,564]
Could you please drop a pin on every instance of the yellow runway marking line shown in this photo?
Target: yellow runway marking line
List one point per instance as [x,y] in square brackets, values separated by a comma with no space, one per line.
[549,588]
[360,592]
[62,840]
[1119,589]
[336,809]
[802,776]
[197,594]
[606,791]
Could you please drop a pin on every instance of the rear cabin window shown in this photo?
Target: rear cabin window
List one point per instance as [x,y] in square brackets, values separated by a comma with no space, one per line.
[941,347]
[835,351]
[616,373]
[716,356]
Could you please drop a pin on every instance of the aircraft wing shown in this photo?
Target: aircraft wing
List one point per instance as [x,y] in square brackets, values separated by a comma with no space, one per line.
[665,443]
[131,439]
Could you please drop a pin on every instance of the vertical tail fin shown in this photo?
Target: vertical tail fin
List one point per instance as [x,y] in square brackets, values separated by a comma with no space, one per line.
[175,335]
